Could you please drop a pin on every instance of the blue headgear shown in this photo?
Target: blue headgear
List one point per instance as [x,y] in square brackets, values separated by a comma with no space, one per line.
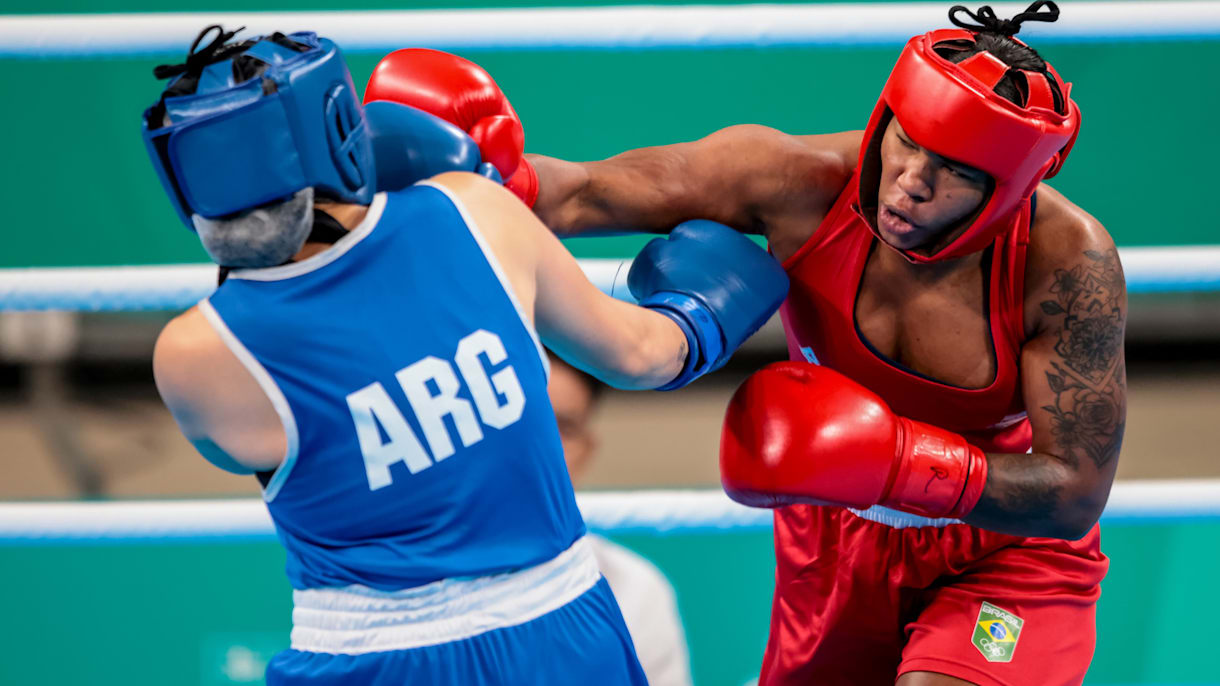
[249,123]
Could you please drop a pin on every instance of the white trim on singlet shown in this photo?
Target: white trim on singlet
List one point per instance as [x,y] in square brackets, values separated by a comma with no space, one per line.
[354,620]
[496,268]
[270,388]
[901,520]
[315,262]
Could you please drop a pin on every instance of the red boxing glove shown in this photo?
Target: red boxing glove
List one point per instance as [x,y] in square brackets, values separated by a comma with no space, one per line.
[801,433]
[524,183]
[458,91]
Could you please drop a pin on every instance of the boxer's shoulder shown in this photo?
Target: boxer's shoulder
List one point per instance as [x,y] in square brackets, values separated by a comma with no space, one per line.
[186,347]
[194,366]
[1066,243]
[789,182]
[506,227]
[214,397]
[499,216]
[1061,234]
[840,149]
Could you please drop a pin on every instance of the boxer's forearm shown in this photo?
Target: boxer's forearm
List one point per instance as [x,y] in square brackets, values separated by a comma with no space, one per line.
[562,187]
[1037,494]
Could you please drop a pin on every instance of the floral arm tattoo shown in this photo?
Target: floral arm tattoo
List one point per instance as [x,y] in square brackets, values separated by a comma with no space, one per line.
[1089,381]
[1079,381]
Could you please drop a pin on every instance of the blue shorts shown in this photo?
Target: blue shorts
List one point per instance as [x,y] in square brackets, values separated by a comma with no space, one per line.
[583,641]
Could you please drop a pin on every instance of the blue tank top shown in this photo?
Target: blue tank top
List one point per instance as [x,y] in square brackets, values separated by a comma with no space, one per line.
[421,442]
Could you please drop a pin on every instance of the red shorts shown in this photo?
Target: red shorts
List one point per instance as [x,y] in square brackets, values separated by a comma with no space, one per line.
[859,602]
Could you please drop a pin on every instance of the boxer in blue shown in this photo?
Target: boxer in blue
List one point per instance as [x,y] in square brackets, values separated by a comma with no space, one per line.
[375,357]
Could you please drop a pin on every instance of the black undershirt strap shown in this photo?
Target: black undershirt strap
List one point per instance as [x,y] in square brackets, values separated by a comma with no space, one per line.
[326,229]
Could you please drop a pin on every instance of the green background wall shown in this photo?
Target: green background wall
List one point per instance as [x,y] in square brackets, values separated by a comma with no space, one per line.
[209,613]
[78,189]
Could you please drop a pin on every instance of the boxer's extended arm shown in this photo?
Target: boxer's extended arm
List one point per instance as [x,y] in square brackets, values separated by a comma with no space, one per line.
[1075,386]
[622,344]
[701,293]
[752,178]
[218,405]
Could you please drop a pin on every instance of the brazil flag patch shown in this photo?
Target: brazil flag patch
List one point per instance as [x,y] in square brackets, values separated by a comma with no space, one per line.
[996,633]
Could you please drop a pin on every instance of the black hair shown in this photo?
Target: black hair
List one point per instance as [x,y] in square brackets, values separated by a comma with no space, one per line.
[245,67]
[996,37]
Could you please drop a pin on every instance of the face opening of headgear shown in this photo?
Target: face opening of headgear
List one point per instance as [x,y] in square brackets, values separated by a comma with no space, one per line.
[951,107]
[250,124]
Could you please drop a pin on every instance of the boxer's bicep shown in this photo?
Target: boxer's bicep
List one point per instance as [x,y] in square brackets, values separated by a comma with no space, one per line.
[647,190]
[738,176]
[1074,372]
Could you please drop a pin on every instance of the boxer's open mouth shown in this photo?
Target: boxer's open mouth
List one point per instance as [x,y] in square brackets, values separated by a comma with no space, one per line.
[895,221]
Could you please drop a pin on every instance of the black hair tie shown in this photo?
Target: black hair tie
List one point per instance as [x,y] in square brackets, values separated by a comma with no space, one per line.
[212,52]
[986,20]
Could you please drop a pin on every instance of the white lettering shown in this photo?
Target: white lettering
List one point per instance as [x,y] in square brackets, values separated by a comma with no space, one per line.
[431,409]
[371,406]
[493,413]
[432,387]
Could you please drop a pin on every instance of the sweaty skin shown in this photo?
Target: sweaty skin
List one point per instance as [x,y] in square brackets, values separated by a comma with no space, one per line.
[929,317]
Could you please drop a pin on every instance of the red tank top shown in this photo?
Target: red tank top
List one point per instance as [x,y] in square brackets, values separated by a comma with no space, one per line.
[819,321]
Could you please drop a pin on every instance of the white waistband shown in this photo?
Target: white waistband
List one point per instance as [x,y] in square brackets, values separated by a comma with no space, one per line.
[356,619]
[900,520]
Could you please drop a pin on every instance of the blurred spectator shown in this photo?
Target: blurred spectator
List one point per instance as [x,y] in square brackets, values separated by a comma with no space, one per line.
[644,594]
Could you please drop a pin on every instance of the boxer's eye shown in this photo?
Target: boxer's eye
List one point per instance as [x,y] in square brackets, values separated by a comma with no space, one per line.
[963,173]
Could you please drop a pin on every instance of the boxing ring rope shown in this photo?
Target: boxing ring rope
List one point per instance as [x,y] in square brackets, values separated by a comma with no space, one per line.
[638,512]
[623,27]
[1162,269]
[175,287]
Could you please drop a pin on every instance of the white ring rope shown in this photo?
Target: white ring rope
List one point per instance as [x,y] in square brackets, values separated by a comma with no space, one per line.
[175,287]
[624,27]
[691,511]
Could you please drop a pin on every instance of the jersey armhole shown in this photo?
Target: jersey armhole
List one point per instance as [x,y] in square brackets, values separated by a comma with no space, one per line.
[494,263]
[272,485]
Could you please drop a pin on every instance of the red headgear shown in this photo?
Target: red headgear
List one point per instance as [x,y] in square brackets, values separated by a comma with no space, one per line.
[952,110]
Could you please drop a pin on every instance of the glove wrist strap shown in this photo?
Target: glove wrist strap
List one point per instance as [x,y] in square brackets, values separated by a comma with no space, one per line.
[704,339]
[940,474]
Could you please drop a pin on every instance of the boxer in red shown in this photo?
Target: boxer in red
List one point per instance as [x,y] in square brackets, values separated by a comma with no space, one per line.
[939,469]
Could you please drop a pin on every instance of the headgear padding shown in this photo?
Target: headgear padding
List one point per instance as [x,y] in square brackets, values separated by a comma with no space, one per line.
[954,111]
[245,124]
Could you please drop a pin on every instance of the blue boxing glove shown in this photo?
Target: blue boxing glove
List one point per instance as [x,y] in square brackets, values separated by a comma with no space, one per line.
[716,284]
[411,145]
